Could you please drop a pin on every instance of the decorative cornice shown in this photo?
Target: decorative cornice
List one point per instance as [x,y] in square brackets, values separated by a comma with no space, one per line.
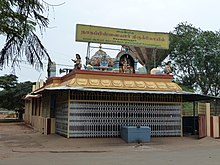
[91,79]
[123,84]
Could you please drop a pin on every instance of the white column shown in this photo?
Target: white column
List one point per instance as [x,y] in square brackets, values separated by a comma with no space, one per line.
[208,118]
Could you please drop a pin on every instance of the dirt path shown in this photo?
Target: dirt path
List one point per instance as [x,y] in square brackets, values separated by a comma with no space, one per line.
[18,141]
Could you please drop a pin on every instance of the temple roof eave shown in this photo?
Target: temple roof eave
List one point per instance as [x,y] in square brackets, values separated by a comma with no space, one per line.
[122,81]
[119,83]
[186,96]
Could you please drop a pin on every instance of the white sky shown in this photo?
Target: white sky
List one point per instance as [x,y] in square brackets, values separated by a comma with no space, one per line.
[146,15]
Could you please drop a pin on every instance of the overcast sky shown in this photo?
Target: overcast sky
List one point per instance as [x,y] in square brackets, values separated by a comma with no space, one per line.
[145,15]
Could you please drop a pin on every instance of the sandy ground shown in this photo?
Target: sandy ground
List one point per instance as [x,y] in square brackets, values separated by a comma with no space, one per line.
[20,144]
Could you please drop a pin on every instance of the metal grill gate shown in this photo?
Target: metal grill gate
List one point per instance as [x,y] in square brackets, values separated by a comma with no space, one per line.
[101,114]
[62,118]
[104,119]
[61,113]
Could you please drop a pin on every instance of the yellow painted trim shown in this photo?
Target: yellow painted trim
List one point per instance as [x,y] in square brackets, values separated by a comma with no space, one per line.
[123,84]
[110,80]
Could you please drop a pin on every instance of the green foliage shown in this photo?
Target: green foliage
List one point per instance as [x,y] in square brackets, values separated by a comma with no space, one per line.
[196,55]
[12,93]
[187,109]
[8,81]
[18,22]
[186,88]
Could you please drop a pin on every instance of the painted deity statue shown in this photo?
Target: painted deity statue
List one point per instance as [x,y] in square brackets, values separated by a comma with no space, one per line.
[124,65]
[77,62]
[168,69]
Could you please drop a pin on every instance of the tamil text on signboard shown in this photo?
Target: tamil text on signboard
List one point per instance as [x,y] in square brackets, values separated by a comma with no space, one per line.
[106,35]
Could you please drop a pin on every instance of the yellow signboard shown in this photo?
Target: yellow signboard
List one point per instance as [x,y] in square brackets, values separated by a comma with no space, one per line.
[106,35]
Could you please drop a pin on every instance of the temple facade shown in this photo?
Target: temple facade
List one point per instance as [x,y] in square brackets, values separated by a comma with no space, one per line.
[99,98]
[98,102]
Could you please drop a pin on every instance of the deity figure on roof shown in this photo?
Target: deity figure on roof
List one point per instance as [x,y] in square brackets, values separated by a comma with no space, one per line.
[168,68]
[77,62]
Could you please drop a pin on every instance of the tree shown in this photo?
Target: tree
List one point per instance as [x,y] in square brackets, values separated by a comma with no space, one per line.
[12,93]
[8,81]
[196,55]
[19,20]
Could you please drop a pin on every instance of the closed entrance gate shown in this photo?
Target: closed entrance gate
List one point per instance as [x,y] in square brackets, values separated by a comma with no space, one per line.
[202,120]
[202,126]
